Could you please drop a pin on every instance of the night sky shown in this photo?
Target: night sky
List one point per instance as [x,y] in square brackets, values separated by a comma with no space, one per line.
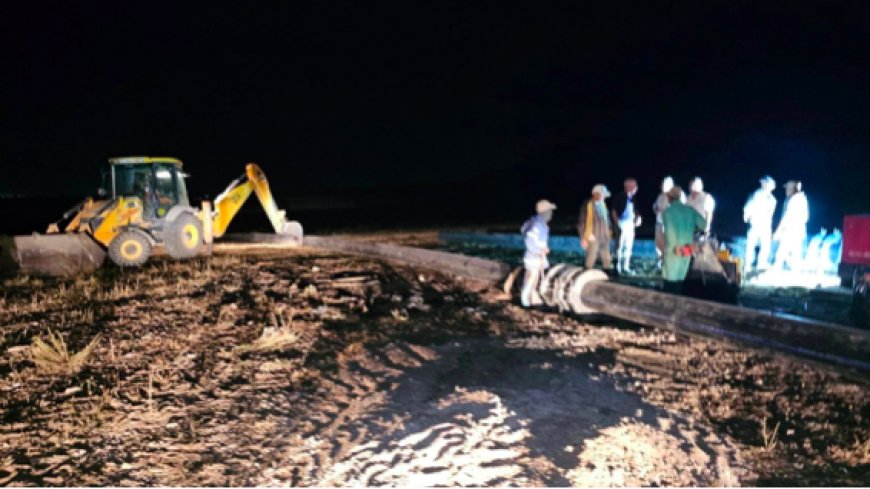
[473,108]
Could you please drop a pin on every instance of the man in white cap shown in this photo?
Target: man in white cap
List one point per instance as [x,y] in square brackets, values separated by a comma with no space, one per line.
[594,228]
[792,229]
[758,213]
[661,204]
[536,234]
[701,201]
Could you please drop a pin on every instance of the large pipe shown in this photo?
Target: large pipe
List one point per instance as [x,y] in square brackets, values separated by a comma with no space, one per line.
[572,289]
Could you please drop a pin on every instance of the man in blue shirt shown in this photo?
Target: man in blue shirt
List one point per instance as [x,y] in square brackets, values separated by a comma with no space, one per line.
[536,234]
[626,219]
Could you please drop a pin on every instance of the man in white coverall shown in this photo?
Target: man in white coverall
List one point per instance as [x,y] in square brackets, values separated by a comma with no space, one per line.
[536,234]
[758,213]
[792,229]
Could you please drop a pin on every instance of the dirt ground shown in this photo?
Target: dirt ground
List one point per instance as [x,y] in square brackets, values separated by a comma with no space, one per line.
[317,369]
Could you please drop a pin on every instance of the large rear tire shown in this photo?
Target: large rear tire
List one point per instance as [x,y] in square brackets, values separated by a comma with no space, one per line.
[131,248]
[182,238]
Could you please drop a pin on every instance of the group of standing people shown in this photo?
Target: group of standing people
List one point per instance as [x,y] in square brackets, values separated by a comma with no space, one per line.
[596,223]
[790,233]
[680,218]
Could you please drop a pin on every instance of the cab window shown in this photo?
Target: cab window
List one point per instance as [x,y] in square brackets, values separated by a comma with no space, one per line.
[132,180]
[164,185]
[165,189]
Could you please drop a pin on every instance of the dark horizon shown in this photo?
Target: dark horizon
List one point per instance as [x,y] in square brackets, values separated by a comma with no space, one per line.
[486,105]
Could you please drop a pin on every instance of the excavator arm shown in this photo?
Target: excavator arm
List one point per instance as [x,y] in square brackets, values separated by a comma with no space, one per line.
[228,203]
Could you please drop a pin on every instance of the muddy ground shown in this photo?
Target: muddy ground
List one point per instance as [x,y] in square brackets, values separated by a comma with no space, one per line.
[317,369]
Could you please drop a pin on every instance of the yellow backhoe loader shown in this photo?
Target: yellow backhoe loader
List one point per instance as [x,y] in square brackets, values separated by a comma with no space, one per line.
[143,205]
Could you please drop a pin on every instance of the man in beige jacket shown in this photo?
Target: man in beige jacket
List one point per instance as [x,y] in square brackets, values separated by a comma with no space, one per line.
[594,228]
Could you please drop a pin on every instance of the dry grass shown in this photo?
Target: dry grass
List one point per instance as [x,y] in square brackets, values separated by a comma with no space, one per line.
[310,292]
[53,356]
[769,439]
[857,454]
[277,337]
[272,339]
[118,291]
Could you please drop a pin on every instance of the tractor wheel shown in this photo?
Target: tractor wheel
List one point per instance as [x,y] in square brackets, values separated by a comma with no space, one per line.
[131,248]
[182,237]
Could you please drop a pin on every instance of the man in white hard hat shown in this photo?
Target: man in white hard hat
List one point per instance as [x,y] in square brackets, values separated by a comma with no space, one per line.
[659,207]
[701,201]
[758,213]
[792,229]
[593,227]
[536,234]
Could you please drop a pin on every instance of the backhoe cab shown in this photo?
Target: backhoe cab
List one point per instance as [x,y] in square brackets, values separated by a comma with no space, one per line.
[144,204]
[148,206]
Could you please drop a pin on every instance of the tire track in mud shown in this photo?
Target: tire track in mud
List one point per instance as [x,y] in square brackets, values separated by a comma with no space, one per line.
[336,425]
[479,412]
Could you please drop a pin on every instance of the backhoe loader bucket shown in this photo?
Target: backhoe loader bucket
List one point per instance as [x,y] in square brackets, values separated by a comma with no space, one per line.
[55,255]
[292,232]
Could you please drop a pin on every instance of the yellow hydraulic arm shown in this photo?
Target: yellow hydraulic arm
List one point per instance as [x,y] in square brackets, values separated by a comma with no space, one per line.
[228,203]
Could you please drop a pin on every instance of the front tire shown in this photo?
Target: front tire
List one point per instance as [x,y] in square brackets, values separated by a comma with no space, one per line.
[131,248]
[182,237]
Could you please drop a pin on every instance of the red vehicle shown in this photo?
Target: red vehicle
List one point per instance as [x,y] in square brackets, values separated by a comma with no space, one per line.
[855,266]
[855,259]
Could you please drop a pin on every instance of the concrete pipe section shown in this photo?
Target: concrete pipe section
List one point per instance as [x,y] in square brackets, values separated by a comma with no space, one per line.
[579,291]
